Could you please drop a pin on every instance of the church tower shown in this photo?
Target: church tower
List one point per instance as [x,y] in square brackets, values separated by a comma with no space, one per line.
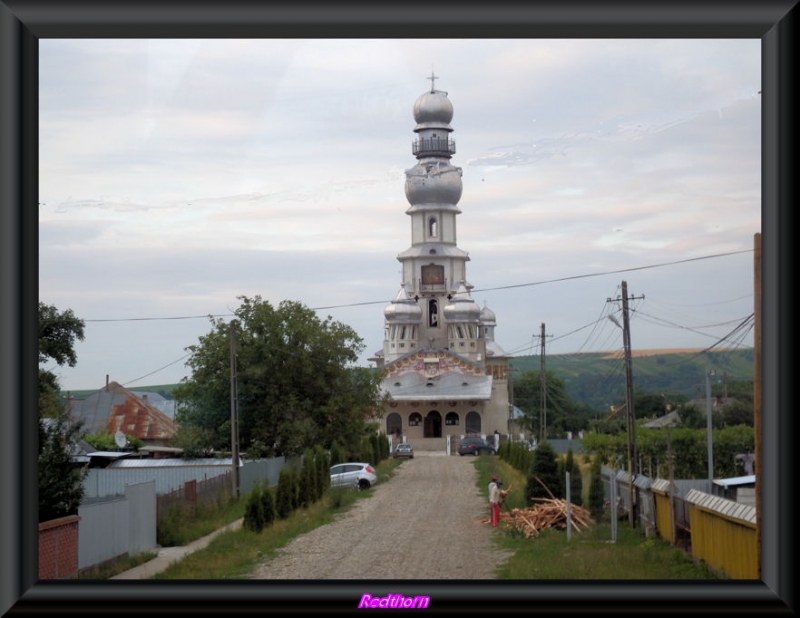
[444,373]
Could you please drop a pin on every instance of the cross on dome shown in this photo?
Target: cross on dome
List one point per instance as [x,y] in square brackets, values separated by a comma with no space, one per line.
[432,77]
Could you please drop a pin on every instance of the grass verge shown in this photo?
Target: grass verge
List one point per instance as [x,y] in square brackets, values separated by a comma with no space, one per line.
[587,554]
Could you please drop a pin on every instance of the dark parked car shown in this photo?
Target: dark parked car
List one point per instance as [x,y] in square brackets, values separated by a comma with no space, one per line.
[403,450]
[475,446]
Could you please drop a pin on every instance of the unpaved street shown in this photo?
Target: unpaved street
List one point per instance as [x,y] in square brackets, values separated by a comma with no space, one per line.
[424,523]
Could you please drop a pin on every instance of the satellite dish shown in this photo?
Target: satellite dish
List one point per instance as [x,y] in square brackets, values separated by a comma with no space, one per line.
[120,439]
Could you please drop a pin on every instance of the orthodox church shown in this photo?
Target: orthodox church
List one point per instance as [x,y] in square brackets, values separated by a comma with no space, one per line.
[445,375]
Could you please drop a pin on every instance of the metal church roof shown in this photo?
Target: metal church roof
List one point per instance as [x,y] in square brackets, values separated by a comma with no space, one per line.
[454,386]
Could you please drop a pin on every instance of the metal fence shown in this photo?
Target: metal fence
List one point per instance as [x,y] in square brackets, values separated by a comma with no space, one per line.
[195,494]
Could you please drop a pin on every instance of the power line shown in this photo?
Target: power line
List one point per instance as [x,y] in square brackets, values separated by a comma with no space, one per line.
[505,287]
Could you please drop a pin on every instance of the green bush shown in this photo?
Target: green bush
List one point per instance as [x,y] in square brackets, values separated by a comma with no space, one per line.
[307,490]
[323,470]
[596,492]
[285,494]
[545,468]
[337,454]
[254,511]
[575,479]
[267,505]
[168,529]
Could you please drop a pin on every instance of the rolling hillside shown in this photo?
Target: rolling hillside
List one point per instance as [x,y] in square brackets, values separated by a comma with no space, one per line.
[598,378]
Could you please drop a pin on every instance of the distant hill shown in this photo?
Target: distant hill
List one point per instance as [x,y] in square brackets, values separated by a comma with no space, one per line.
[598,378]
[165,390]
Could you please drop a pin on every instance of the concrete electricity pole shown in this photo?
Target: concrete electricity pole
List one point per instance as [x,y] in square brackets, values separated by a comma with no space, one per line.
[234,414]
[543,390]
[543,394]
[630,417]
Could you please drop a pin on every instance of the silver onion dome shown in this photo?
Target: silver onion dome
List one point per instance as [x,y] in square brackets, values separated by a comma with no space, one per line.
[461,307]
[433,110]
[488,317]
[403,309]
[435,182]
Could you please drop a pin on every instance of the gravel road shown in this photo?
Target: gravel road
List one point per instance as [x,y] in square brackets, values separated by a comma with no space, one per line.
[424,523]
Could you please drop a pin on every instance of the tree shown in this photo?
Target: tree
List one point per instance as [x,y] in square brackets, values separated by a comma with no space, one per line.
[285,493]
[596,491]
[738,412]
[57,335]
[297,385]
[267,505]
[575,479]
[545,469]
[563,414]
[254,511]
[308,479]
[60,478]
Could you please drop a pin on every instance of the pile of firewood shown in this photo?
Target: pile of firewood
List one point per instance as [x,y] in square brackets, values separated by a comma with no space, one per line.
[549,513]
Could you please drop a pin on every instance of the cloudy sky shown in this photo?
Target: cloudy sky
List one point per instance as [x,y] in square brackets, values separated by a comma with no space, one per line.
[178,175]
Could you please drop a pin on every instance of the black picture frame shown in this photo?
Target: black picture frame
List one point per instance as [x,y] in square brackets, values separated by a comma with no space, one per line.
[24,22]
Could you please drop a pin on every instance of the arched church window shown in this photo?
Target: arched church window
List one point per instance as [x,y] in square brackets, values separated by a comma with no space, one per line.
[394,424]
[473,422]
[432,231]
[433,312]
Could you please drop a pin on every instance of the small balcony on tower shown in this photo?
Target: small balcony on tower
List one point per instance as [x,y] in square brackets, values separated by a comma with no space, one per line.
[433,146]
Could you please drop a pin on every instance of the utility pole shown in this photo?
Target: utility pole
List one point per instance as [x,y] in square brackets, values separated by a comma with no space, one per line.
[757,385]
[709,437]
[543,394]
[630,417]
[542,390]
[234,414]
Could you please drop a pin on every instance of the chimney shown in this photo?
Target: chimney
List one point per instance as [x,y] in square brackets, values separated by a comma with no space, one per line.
[144,397]
[106,382]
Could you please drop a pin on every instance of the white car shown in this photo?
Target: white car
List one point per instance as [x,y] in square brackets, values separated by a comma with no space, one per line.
[403,450]
[357,475]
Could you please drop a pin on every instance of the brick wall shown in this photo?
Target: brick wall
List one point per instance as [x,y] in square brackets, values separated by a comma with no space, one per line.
[58,547]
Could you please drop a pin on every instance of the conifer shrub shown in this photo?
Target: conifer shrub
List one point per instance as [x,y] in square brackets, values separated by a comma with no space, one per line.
[307,489]
[285,493]
[575,479]
[596,491]
[267,505]
[254,511]
[322,462]
[544,467]
[337,454]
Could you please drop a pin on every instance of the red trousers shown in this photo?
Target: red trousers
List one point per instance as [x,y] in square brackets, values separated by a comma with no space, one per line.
[495,506]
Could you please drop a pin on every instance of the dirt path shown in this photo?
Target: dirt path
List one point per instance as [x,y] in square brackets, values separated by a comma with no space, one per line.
[424,523]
